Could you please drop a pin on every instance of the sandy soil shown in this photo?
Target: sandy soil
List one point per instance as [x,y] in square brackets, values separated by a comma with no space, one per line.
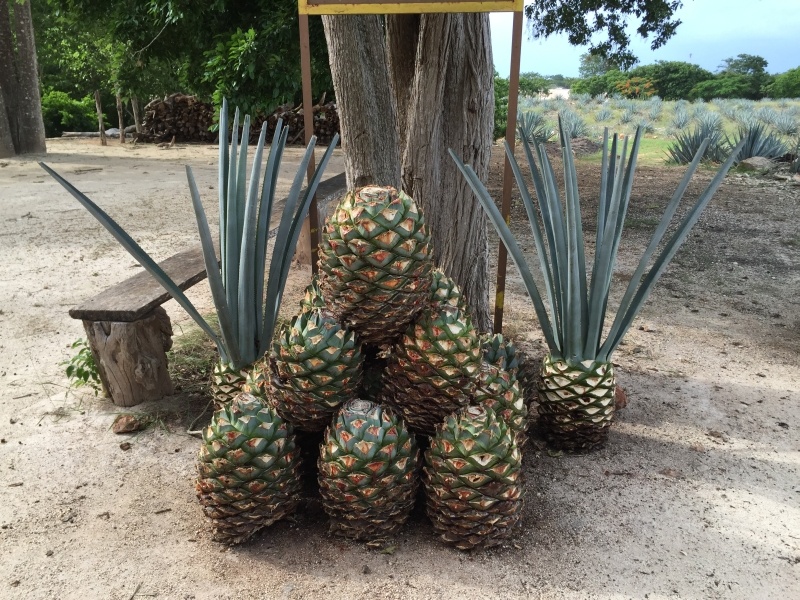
[697,494]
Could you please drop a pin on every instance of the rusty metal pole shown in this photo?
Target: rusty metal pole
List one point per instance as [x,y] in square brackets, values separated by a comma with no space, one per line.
[309,237]
[508,176]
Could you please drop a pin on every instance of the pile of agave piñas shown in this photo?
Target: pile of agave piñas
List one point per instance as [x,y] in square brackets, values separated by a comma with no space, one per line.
[383,358]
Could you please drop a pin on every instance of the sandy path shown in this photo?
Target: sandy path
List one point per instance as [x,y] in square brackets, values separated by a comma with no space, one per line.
[696,496]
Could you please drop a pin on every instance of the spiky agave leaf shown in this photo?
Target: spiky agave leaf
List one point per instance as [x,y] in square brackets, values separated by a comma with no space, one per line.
[247,318]
[575,321]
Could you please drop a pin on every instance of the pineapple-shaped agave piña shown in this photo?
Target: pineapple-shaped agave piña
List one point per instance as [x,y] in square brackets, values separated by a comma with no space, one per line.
[576,388]
[498,387]
[247,469]
[434,367]
[471,478]
[316,365]
[375,262]
[367,472]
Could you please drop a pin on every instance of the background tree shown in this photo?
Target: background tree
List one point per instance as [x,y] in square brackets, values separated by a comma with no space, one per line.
[532,84]
[440,77]
[754,70]
[672,79]
[22,129]
[785,85]
[592,65]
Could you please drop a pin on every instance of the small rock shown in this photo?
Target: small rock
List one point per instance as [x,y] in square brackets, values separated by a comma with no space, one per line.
[756,163]
[125,446]
[782,424]
[49,553]
[620,398]
[669,472]
[697,447]
[366,570]
[128,424]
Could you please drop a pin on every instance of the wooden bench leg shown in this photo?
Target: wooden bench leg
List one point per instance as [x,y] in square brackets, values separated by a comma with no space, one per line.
[131,357]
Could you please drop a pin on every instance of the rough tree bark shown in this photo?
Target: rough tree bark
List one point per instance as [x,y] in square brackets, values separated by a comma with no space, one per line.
[452,106]
[6,141]
[100,125]
[121,118]
[441,76]
[137,118]
[30,125]
[8,73]
[368,124]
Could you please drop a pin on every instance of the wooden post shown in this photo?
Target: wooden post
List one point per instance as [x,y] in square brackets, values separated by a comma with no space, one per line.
[121,116]
[508,175]
[306,251]
[100,124]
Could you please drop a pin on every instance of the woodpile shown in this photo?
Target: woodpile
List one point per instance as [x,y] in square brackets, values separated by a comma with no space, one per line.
[178,116]
[184,118]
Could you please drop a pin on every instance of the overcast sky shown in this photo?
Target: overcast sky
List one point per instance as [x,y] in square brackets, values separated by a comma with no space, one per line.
[711,31]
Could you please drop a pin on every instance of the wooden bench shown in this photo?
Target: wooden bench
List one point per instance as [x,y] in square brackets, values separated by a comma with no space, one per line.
[129,332]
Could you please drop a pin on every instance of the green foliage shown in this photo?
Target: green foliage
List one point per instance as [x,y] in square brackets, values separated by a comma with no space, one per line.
[560,81]
[599,85]
[785,85]
[61,113]
[583,20]
[500,106]
[722,86]
[672,80]
[532,84]
[593,65]
[81,369]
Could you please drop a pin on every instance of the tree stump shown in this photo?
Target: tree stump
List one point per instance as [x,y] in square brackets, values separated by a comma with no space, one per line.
[131,357]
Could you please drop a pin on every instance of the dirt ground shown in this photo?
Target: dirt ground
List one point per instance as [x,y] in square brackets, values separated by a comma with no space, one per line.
[697,494]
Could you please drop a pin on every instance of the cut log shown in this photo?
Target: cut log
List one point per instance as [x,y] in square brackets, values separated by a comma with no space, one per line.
[131,357]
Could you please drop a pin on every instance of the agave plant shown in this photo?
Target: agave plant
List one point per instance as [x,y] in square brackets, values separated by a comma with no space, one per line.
[247,304]
[756,140]
[680,118]
[572,123]
[687,143]
[604,114]
[533,125]
[786,124]
[577,379]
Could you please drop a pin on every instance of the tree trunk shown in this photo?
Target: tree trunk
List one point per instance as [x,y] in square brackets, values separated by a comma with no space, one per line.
[29,101]
[440,75]
[121,117]
[8,72]
[6,141]
[367,111]
[452,106]
[137,117]
[99,107]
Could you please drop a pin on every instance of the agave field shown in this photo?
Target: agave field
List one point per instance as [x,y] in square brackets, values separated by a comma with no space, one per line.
[673,129]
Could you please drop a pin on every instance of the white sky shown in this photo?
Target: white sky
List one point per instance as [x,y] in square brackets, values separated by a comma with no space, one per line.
[711,31]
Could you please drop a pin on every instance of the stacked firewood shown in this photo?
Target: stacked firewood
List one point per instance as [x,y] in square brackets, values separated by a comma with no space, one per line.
[187,119]
[178,116]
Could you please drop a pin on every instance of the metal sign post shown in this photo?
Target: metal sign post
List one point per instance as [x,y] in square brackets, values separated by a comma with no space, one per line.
[384,7]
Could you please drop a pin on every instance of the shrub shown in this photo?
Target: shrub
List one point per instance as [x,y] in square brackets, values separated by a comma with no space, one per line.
[61,113]
[758,141]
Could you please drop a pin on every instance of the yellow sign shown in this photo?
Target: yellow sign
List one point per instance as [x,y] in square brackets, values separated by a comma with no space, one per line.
[386,7]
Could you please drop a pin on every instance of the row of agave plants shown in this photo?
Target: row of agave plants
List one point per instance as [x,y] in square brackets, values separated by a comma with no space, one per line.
[382,358]
[768,131]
